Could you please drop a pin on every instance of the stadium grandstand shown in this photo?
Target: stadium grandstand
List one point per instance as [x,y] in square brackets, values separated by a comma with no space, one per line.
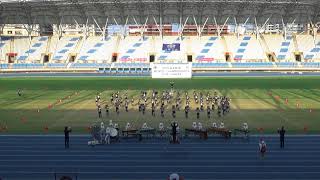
[126,36]
[159,89]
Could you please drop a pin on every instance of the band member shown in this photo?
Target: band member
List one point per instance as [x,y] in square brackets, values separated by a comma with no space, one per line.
[99,112]
[117,109]
[186,111]
[198,113]
[19,92]
[98,97]
[219,111]
[173,111]
[67,130]
[162,110]
[143,109]
[153,111]
[107,109]
[208,111]
[172,85]
[126,106]
[201,105]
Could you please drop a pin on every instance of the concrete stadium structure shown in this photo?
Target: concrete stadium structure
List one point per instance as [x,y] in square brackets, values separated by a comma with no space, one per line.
[126,36]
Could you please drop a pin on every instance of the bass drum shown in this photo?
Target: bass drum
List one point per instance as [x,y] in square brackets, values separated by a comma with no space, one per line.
[112,131]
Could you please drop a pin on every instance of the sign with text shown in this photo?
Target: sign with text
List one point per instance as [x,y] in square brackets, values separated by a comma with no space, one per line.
[171,70]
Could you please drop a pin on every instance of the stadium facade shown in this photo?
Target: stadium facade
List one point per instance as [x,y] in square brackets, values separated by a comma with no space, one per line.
[128,35]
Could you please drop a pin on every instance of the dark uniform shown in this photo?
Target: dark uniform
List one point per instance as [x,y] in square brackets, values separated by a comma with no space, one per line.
[186,110]
[99,112]
[107,110]
[174,126]
[173,111]
[66,137]
[162,111]
[19,93]
[198,113]
[282,133]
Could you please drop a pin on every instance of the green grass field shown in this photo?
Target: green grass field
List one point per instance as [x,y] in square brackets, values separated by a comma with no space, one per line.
[258,101]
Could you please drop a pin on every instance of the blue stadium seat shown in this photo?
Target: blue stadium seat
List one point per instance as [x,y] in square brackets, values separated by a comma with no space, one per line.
[74,39]
[137,44]
[37,45]
[91,51]
[30,51]
[285,43]
[203,51]
[213,38]
[130,51]
[98,45]
[63,51]
[69,45]
[43,39]
[22,58]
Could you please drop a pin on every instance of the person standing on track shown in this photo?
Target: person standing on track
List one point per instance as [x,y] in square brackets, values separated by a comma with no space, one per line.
[67,130]
[262,148]
[282,133]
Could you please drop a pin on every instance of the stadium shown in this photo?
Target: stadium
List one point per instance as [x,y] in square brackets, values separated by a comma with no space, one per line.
[159,89]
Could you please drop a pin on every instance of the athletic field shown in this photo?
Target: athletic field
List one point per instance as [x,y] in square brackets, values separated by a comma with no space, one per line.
[265,103]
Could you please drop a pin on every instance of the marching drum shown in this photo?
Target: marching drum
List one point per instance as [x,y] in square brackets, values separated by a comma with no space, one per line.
[112,131]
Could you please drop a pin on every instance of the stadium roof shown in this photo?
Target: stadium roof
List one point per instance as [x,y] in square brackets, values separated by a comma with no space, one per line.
[170,11]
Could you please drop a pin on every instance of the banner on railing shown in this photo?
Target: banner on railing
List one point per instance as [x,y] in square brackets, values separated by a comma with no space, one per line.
[171,70]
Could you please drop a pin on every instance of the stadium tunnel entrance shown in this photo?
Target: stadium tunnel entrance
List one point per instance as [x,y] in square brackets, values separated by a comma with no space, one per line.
[114,57]
[45,58]
[227,56]
[190,58]
[298,56]
[11,57]
[151,58]
[271,57]
[72,58]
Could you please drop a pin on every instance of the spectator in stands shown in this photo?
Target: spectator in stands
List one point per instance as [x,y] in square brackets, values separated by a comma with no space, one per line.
[262,147]
[67,130]
[282,132]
